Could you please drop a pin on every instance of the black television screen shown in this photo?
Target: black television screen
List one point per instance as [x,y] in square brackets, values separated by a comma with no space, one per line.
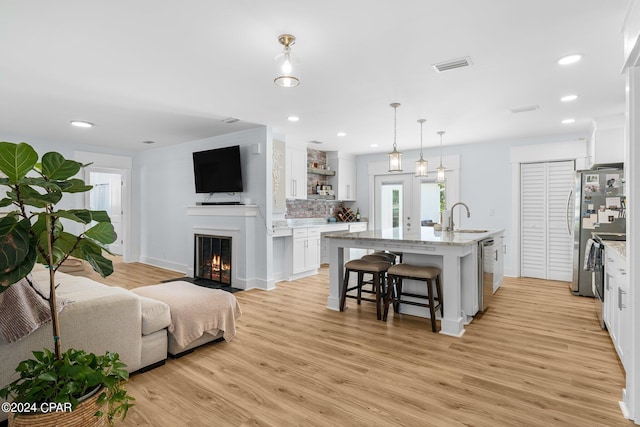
[218,170]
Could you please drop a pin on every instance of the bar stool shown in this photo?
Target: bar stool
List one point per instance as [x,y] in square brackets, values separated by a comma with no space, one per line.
[380,256]
[392,255]
[397,273]
[360,266]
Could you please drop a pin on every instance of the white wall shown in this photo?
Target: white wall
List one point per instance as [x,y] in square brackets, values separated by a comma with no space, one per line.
[164,187]
[485,182]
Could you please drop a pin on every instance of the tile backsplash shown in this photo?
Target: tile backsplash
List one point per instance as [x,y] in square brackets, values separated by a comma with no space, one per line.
[312,208]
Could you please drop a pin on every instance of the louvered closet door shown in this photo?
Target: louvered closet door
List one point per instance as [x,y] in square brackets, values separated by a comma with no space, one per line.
[546,238]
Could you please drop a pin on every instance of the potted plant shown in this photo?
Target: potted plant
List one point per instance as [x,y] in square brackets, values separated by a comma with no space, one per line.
[34,232]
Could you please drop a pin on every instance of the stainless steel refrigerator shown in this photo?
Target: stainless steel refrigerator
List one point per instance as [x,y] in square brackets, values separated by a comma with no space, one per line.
[599,207]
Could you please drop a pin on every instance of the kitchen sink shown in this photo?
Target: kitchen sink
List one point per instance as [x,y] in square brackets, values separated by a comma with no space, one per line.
[470,231]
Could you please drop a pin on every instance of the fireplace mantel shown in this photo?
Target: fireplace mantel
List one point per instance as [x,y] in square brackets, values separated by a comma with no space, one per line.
[223,210]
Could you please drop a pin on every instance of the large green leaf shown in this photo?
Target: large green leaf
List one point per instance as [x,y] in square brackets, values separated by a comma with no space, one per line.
[56,167]
[32,197]
[40,182]
[86,216]
[92,253]
[14,242]
[13,276]
[5,202]
[76,186]
[16,160]
[102,232]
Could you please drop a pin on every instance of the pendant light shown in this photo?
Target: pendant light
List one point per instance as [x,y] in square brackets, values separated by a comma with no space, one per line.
[287,66]
[441,168]
[421,165]
[395,157]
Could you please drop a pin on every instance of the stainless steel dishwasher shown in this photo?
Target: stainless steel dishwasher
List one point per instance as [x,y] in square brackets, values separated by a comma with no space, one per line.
[486,260]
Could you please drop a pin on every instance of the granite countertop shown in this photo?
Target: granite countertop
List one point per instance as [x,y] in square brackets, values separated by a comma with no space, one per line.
[427,235]
[308,222]
[618,246]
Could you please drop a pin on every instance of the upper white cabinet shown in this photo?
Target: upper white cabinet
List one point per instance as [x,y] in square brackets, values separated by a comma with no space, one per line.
[296,173]
[344,182]
[607,140]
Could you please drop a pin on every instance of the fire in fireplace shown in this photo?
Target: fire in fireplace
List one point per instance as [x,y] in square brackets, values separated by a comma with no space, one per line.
[213,258]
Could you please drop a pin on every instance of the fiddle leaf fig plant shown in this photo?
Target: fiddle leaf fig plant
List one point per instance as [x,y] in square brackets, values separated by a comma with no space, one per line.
[32,230]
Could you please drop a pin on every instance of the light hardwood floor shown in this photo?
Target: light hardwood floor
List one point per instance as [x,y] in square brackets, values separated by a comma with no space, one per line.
[536,358]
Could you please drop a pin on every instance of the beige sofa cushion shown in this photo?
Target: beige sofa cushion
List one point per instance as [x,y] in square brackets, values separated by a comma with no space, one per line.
[155,315]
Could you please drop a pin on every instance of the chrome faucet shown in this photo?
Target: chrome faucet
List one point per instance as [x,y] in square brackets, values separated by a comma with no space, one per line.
[451,214]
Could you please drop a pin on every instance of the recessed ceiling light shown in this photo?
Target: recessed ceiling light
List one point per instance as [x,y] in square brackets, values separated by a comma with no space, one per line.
[569,59]
[569,98]
[230,120]
[342,134]
[81,124]
[568,121]
[373,145]
[293,118]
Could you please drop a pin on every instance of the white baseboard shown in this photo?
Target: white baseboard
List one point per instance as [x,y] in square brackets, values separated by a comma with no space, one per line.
[163,263]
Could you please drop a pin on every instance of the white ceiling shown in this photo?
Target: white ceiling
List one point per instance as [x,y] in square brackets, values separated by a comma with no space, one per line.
[170,71]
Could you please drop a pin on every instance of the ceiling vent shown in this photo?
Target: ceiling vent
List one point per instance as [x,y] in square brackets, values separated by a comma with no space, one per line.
[525,109]
[315,142]
[452,64]
[230,120]
[148,142]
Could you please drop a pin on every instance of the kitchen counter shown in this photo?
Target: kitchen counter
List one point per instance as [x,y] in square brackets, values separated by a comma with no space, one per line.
[426,235]
[283,228]
[455,253]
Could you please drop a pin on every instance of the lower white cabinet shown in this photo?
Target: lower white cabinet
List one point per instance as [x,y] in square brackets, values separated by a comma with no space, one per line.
[616,313]
[498,267]
[305,250]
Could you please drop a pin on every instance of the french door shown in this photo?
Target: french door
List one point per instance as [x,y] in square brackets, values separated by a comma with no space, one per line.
[406,202]
[106,195]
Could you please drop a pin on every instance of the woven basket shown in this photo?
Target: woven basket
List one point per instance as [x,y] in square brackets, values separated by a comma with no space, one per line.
[82,416]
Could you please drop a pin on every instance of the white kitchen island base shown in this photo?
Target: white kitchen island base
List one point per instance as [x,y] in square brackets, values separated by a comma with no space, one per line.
[456,254]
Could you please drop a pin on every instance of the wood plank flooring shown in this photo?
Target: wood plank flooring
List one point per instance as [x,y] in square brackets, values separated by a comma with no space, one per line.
[536,358]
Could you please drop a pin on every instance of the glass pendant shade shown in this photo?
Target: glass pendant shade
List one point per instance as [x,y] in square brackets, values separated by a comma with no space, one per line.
[395,161]
[287,67]
[395,157]
[421,165]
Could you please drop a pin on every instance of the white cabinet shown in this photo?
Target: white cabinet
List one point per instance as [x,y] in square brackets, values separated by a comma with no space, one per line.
[296,173]
[344,181]
[498,266]
[305,250]
[616,313]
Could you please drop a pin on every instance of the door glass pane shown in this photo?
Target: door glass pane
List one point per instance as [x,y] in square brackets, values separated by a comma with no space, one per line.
[432,202]
[391,205]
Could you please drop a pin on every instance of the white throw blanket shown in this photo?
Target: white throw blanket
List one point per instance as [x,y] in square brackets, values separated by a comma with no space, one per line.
[195,310]
[23,309]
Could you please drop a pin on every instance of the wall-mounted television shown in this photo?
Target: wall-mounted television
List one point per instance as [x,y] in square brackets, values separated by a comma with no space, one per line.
[218,170]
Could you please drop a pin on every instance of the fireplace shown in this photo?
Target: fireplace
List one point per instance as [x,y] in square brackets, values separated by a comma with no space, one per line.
[213,258]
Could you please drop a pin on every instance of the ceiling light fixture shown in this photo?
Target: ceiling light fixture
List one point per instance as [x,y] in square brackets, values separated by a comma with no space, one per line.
[293,118]
[342,134]
[374,146]
[569,59]
[81,124]
[395,157]
[569,98]
[421,165]
[286,63]
[568,121]
[441,169]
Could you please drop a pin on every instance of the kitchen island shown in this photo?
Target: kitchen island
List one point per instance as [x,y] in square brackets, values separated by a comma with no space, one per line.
[455,253]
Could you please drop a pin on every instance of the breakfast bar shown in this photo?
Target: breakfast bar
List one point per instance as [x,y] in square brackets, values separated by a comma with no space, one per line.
[456,253]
